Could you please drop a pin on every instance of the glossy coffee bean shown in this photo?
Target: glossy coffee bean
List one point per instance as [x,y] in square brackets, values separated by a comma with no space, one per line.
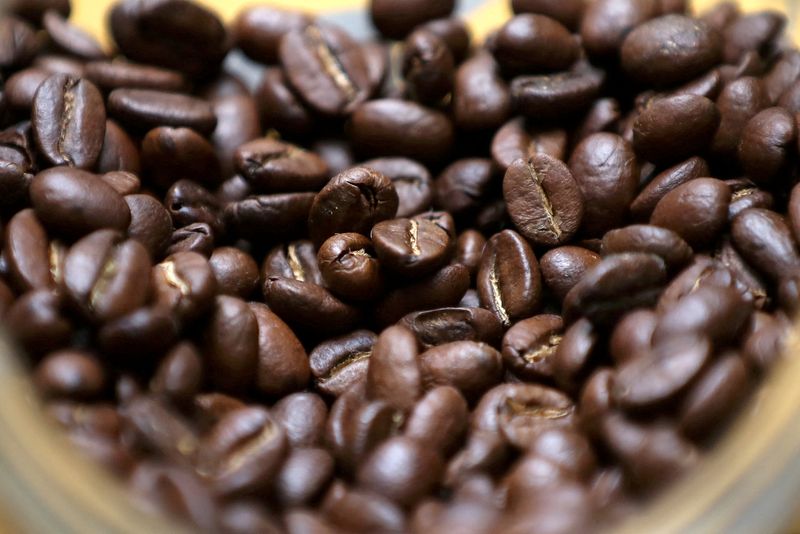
[69,374]
[767,145]
[394,374]
[119,153]
[396,20]
[464,185]
[650,239]
[143,109]
[469,366]
[340,364]
[439,419]
[179,377]
[184,283]
[606,23]
[359,510]
[765,241]
[304,475]
[481,98]
[751,32]
[410,247]
[71,39]
[236,271]
[550,96]
[738,102]
[574,354]
[172,154]
[279,107]
[296,260]
[258,30]
[567,13]
[664,182]
[563,267]
[516,139]
[154,425]
[282,361]
[188,202]
[34,261]
[150,223]
[110,75]
[145,331]
[349,266]
[231,344]
[269,217]
[696,210]
[37,323]
[530,345]
[411,180]
[534,43]
[632,335]
[303,416]
[20,42]
[307,305]
[272,166]
[543,199]
[427,66]
[444,325]
[196,237]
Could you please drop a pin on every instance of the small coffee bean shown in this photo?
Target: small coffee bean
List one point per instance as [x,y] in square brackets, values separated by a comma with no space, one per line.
[696,210]
[272,166]
[670,50]
[395,21]
[296,260]
[632,335]
[110,75]
[464,185]
[280,108]
[266,217]
[20,87]
[302,416]
[708,85]
[210,408]
[563,267]
[744,195]
[179,376]
[231,344]
[411,180]
[340,364]
[664,182]
[236,271]
[282,362]
[394,373]
[303,476]
[143,109]
[119,153]
[618,283]
[75,202]
[530,345]
[573,354]
[145,331]
[171,154]
[69,374]
[445,325]
[595,402]
[606,23]
[767,145]
[55,64]
[309,306]
[603,116]
[349,266]
[69,121]
[155,426]
[551,96]
[410,247]
[509,282]
[326,67]
[516,140]
[20,43]
[185,284]
[189,203]
[534,43]
[765,241]
[243,452]
[738,102]
[237,123]
[439,420]
[543,200]
[469,366]
[454,32]
[427,66]
[359,511]
[197,237]
[568,13]
[70,38]
[782,75]
[469,249]
[662,242]
[34,262]
[257,30]
[481,98]
[244,516]
[752,32]
[353,201]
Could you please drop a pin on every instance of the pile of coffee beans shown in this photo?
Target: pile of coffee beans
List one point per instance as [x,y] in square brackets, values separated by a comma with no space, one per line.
[407,284]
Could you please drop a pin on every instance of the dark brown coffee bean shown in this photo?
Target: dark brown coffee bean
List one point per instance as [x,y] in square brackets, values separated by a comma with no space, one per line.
[543,200]
[605,168]
[119,153]
[273,166]
[632,335]
[349,266]
[615,285]
[454,32]
[411,180]
[303,476]
[155,426]
[670,50]
[445,325]
[738,102]
[394,373]
[673,128]
[185,284]
[236,271]
[34,262]
[280,108]
[767,145]
[75,202]
[69,374]
[257,30]
[651,239]
[20,43]
[268,217]
[427,66]
[568,13]
[563,267]
[752,32]
[197,237]
[765,241]
[397,20]
[296,260]
[56,64]
[552,96]
[517,140]
[360,511]
[20,88]
[36,322]
[708,85]
[145,331]
[376,126]
[175,34]
[534,43]
[231,344]
[210,408]
[150,223]
[782,75]
[463,186]
[189,203]
[410,247]
[282,361]
[237,123]
[509,282]
[469,250]
[123,182]
[481,98]
[245,516]
[143,109]
[696,210]
[69,121]
[340,364]
[171,154]
[445,288]
[603,116]
[109,75]
[664,182]
[234,189]
[439,420]
[179,376]
[469,366]
[530,345]
[71,39]
[106,276]
[606,23]
[302,416]
[243,452]
[326,67]
[353,201]
[573,354]
[309,306]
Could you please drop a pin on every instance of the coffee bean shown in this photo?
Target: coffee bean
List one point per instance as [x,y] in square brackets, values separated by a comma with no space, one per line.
[376,126]
[563,267]
[530,345]
[708,85]
[534,43]
[618,283]
[765,241]
[257,30]
[20,43]
[651,239]
[603,116]
[69,374]
[279,107]
[326,67]
[469,366]
[231,344]
[670,50]
[349,266]
[455,34]
[145,331]
[439,420]
[155,426]
[696,210]
[664,182]
[632,335]
[296,260]
[55,64]
[427,66]
[738,102]
[71,39]
[573,354]
[567,13]
[273,166]
[606,23]
[243,452]
[37,323]
[394,373]
[396,20]
[543,200]
[605,168]
[119,153]
[481,98]
[282,362]
[304,475]
[69,120]
[197,237]
[509,282]
[265,217]
[185,284]
[34,262]
[302,416]
[20,88]
[172,154]
[179,377]
[410,247]
[364,511]
[143,109]
[353,201]
[517,140]
[307,305]
[76,202]
[340,364]
[671,129]
[189,203]
[444,325]
[767,145]
[469,249]
[109,75]
[210,408]
[411,180]
[244,516]
[236,271]
[752,32]
[551,96]
[150,223]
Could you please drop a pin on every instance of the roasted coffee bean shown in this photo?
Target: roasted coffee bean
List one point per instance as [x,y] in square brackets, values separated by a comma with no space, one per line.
[303,476]
[106,276]
[469,249]
[353,201]
[696,210]
[752,32]
[266,217]
[618,283]
[307,305]
[767,145]
[568,13]
[551,96]
[708,85]
[273,166]
[765,241]
[75,202]
[427,66]
[543,200]
[55,64]
[143,109]
[664,182]
[463,186]
[172,154]
[439,420]
[394,374]
[302,416]
[244,516]
[197,237]
[782,75]
[632,335]
[210,408]
[563,267]
[604,166]
[738,102]
[469,366]
[444,325]
[481,98]
[109,75]
[282,362]
[185,284]
[296,260]
[20,88]
[231,344]
[603,116]
[20,43]
[789,100]
[454,32]
[360,511]
[237,123]
[410,247]
[69,374]
[396,20]
[189,203]
[243,452]
[574,352]
[411,180]
[595,402]
[279,107]
[146,331]
[651,239]
[71,39]
[509,282]
[69,121]
[119,153]
[150,223]
[34,262]
[534,43]
[157,427]
[179,376]
[170,33]
[516,140]
[232,190]
[530,345]
[236,271]
[606,23]
[340,364]
[670,50]
[257,30]
[673,128]
[326,67]
[36,322]
[349,266]
[376,130]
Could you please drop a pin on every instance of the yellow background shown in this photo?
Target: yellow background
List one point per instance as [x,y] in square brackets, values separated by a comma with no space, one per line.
[91,14]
